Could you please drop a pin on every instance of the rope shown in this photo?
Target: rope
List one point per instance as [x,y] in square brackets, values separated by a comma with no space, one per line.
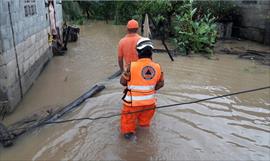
[158,107]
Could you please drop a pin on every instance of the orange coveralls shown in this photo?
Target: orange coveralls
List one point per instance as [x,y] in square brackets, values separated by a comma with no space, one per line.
[143,76]
[127,48]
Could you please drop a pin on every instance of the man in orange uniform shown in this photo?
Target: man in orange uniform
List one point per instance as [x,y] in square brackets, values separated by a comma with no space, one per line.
[142,79]
[127,45]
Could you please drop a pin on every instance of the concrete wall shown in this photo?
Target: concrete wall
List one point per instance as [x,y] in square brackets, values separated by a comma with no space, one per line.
[252,22]
[31,44]
[59,15]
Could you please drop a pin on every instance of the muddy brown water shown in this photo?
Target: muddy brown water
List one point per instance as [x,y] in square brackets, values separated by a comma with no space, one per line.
[232,128]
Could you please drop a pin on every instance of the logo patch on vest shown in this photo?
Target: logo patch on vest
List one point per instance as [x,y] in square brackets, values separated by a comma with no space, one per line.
[148,72]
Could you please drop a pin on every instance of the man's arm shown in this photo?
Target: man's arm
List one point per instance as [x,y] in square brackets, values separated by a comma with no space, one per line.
[120,56]
[160,83]
[121,63]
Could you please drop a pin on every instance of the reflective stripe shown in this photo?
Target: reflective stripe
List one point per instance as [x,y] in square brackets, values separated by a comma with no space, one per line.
[139,98]
[131,87]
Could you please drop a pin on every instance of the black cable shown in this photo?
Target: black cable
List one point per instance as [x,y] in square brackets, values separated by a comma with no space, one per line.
[44,122]
[158,107]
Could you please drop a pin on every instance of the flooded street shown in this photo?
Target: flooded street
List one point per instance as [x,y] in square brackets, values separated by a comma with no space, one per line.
[231,128]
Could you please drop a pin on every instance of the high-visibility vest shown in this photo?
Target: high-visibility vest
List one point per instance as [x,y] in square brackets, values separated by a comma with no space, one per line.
[144,75]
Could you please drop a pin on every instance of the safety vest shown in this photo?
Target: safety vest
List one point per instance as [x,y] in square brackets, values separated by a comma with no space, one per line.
[144,75]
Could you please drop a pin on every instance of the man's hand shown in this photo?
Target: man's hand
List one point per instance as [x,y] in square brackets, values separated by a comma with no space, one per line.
[160,83]
[125,77]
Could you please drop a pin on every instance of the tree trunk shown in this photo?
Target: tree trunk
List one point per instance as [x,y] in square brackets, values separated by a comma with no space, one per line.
[87,14]
[116,18]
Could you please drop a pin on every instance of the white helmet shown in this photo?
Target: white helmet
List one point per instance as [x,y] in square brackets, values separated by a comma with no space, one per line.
[143,43]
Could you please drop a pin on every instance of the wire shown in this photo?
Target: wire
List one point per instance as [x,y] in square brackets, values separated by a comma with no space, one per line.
[44,122]
[158,107]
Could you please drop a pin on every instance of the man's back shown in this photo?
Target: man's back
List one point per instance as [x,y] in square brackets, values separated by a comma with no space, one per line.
[127,48]
[145,72]
[142,79]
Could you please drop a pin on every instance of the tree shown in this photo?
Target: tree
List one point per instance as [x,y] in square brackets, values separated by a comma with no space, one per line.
[72,10]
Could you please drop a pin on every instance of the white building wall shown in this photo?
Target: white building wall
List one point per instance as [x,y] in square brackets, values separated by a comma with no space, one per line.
[31,44]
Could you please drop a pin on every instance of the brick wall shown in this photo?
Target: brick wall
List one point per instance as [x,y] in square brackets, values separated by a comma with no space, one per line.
[252,22]
[31,44]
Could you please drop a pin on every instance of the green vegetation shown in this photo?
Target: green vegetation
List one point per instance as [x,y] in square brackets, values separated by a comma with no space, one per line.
[191,24]
[119,11]
[158,9]
[161,12]
[194,35]
[222,10]
[72,12]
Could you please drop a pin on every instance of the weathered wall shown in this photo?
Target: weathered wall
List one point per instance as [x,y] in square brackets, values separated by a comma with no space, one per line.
[59,15]
[31,44]
[252,20]
[2,64]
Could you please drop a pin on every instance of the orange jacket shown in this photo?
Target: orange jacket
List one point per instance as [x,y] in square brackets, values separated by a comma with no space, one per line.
[144,75]
[127,48]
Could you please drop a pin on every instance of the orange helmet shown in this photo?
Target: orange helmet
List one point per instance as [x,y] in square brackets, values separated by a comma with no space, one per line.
[132,24]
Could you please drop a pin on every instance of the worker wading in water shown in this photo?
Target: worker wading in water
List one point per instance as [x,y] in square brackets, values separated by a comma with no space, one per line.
[142,79]
[127,45]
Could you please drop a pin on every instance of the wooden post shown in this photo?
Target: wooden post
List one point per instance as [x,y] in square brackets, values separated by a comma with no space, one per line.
[162,37]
